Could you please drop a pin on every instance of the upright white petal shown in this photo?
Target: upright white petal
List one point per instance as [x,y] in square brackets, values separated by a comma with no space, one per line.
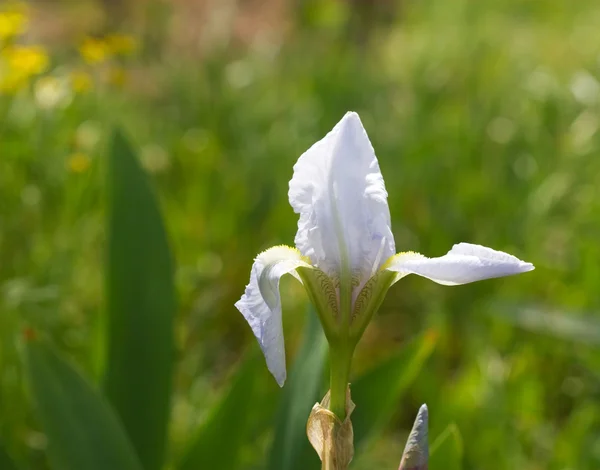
[261,303]
[464,263]
[339,193]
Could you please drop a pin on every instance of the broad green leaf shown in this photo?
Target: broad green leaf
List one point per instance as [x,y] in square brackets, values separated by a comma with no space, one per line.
[219,441]
[83,431]
[140,307]
[377,394]
[447,450]
[291,449]
[6,463]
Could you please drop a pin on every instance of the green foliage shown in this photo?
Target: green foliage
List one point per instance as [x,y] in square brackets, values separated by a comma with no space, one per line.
[6,463]
[140,307]
[379,392]
[83,431]
[447,450]
[218,442]
[486,123]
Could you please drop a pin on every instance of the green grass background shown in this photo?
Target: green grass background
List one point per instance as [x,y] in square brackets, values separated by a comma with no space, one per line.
[484,116]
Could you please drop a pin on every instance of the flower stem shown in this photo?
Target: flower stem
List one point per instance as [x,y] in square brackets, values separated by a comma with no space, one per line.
[340,358]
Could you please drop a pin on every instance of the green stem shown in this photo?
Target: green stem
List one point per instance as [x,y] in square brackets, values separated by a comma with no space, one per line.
[340,358]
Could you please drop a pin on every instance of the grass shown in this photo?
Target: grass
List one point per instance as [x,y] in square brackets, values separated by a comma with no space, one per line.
[484,117]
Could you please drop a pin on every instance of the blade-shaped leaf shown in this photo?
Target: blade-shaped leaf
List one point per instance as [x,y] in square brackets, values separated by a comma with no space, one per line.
[291,449]
[447,450]
[218,442]
[83,431]
[140,307]
[6,463]
[565,325]
[377,393]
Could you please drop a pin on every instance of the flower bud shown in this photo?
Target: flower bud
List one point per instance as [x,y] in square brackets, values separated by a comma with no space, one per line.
[416,452]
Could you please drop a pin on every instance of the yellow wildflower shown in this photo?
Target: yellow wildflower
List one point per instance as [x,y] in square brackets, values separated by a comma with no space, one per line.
[122,44]
[26,60]
[78,162]
[94,51]
[18,64]
[12,23]
[81,81]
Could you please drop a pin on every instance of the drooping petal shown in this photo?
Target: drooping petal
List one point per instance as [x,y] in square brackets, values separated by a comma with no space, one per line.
[339,193]
[261,303]
[464,263]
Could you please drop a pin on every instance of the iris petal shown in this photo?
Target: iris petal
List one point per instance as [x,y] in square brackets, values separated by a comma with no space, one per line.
[261,303]
[339,193]
[464,263]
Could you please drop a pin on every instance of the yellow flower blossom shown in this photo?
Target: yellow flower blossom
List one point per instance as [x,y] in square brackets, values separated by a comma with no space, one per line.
[94,51]
[12,23]
[122,44]
[18,64]
[26,60]
[78,162]
[81,82]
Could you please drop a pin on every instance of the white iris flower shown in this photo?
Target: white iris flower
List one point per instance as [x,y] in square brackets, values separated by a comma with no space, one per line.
[345,254]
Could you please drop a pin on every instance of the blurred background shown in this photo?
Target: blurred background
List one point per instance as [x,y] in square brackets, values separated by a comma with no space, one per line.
[485,118]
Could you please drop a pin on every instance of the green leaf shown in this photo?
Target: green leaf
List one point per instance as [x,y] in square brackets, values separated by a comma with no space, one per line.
[565,325]
[219,441]
[140,307]
[6,463]
[83,431]
[447,450]
[291,449]
[377,394]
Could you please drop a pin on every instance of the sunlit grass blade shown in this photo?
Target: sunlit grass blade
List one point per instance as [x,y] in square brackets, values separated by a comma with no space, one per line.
[140,307]
[377,393]
[219,441]
[447,450]
[291,449]
[6,463]
[565,325]
[83,431]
